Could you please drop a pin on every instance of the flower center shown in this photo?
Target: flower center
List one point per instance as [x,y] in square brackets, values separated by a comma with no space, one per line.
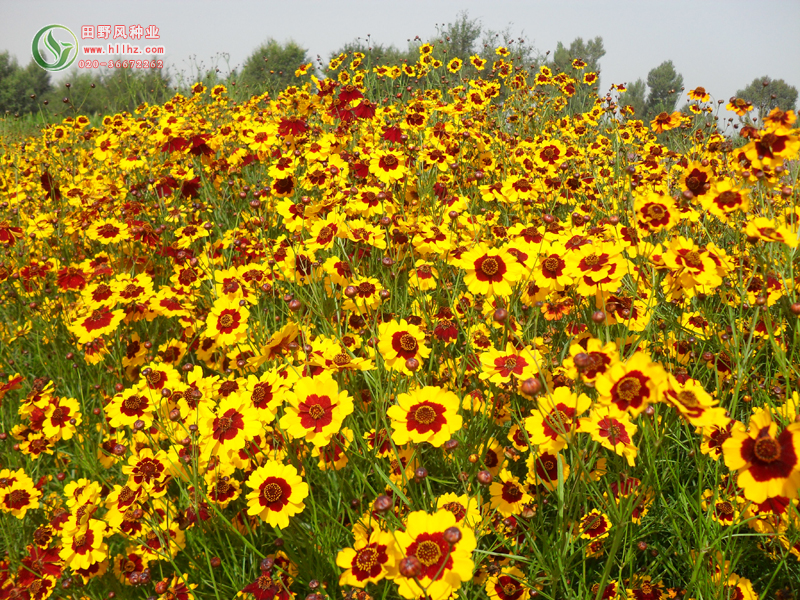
[511,362]
[457,509]
[552,264]
[272,492]
[265,582]
[767,450]
[726,508]
[510,589]
[316,411]
[408,342]
[490,266]
[341,359]
[224,424]
[366,559]
[655,212]
[688,398]
[132,403]
[428,553]
[425,415]
[16,497]
[226,320]
[591,260]
[629,388]
[693,259]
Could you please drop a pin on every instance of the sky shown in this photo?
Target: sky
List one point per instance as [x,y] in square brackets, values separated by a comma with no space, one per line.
[721,46]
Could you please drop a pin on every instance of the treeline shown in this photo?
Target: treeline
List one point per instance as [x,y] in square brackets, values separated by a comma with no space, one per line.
[464,43]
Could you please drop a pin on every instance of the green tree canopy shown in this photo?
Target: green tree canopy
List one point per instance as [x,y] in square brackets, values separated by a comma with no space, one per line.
[590,51]
[664,83]
[271,67]
[461,36]
[635,96]
[18,84]
[765,94]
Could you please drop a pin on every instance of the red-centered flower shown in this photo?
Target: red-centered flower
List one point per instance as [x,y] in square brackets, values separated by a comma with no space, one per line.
[428,415]
[595,525]
[632,385]
[71,278]
[490,271]
[768,462]
[316,409]
[369,560]
[510,584]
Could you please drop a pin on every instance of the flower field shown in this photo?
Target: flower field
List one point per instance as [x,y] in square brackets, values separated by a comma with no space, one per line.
[397,333]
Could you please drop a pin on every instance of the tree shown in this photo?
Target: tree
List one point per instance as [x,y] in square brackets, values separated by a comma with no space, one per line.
[634,96]
[589,52]
[18,84]
[664,83]
[271,67]
[765,94]
[376,53]
[462,36]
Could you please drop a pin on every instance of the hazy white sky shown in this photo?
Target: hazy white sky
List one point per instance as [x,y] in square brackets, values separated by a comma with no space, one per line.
[719,45]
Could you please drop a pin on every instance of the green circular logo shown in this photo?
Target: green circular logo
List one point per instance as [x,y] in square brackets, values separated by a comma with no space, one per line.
[58,41]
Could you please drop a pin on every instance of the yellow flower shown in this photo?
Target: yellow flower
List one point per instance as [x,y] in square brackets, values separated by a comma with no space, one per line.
[444,565]
[84,546]
[491,271]
[612,429]
[428,415]
[316,409]
[17,493]
[227,322]
[369,560]
[400,342]
[508,495]
[278,493]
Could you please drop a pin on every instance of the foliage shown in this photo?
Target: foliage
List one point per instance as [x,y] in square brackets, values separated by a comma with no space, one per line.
[635,96]
[20,86]
[271,67]
[765,93]
[590,51]
[664,84]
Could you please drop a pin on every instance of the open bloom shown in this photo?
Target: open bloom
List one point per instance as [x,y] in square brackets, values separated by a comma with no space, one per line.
[491,271]
[399,342]
[231,426]
[227,322]
[369,560]
[84,546]
[501,366]
[767,461]
[612,429]
[632,385]
[316,409]
[551,426]
[278,493]
[444,566]
[428,415]
[17,493]
[508,495]
[509,584]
